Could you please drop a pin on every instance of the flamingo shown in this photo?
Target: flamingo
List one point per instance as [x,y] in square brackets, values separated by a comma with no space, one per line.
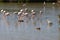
[32,10]
[19,13]
[25,14]
[2,10]
[33,13]
[7,13]
[21,10]
[44,3]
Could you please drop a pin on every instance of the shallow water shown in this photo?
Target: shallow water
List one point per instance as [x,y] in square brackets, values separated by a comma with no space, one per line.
[11,29]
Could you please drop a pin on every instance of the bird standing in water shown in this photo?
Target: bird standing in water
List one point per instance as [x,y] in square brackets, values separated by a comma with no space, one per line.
[4,12]
[7,13]
[33,13]
[41,12]
[38,28]
[49,22]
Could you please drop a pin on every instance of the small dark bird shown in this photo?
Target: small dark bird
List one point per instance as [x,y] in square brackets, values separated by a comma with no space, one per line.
[38,28]
[20,20]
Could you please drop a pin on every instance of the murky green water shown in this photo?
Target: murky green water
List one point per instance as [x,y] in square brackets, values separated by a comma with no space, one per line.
[10,29]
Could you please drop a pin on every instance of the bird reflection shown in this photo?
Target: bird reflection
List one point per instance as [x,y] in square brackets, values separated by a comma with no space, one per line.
[7,23]
[59,33]
[59,19]
[59,28]
[17,25]
[59,22]
[34,23]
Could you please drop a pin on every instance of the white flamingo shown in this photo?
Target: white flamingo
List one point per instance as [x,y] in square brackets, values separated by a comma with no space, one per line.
[2,10]
[21,10]
[59,28]
[7,13]
[44,3]
[25,14]
[19,13]
[32,10]
[33,13]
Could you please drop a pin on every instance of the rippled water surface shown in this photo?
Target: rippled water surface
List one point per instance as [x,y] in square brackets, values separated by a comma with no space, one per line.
[11,29]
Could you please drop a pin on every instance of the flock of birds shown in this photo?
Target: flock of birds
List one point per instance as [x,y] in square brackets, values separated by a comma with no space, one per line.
[23,12]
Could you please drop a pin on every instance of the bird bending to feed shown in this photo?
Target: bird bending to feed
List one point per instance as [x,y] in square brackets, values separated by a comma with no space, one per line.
[19,13]
[25,14]
[7,13]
